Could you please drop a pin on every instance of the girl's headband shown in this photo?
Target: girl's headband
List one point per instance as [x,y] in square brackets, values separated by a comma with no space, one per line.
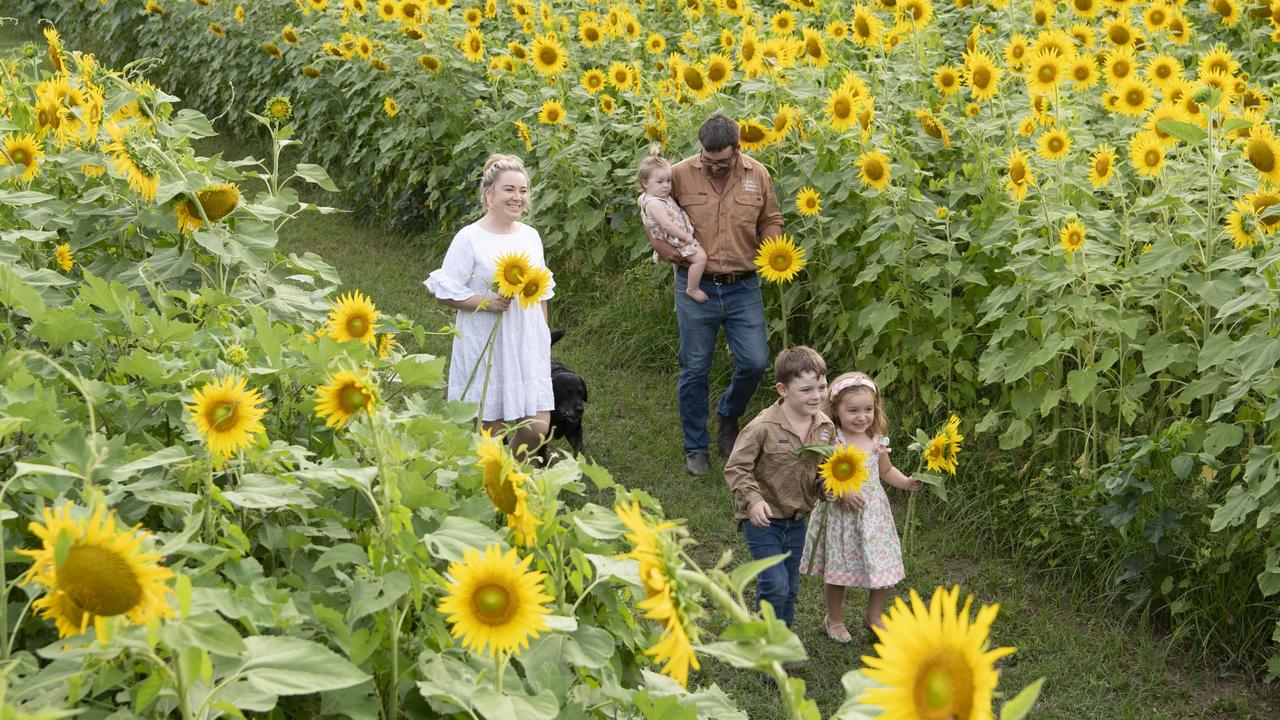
[858,380]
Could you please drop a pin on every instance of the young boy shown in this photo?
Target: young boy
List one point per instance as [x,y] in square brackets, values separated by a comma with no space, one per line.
[773,487]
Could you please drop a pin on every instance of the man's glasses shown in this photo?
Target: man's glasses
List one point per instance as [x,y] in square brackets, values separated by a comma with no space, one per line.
[718,163]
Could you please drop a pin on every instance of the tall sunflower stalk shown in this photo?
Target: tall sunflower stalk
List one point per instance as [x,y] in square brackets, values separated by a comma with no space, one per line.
[780,260]
[938,455]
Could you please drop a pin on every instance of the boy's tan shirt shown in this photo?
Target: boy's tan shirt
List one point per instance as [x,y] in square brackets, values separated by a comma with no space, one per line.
[762,465]
[729,226]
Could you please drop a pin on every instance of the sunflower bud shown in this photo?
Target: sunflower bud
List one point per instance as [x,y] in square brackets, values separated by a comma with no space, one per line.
[278,108]
[237,355]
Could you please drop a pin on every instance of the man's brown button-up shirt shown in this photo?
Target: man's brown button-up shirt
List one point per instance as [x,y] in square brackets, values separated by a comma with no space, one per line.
[731,224]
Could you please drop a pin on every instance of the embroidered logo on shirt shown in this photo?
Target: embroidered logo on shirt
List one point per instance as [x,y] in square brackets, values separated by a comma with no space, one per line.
[826,435]
[750,186]
[783,441]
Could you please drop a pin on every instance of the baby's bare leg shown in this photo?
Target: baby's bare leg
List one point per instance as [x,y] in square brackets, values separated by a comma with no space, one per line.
[697,264]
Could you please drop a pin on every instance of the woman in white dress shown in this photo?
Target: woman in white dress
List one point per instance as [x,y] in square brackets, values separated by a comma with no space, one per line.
[518,362]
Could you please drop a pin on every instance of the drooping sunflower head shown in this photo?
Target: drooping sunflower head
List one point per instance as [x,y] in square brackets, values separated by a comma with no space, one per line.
[1266,203]
[494,603]
[845,470]
[55,50]
[103,573]
[536,287]
[780,259]
[808,202]
[936,456]
[346,394]
[873,170]
[217,201]
[390,106]
[227,414]
[353,316]
[131,158]
[1020,177]
[933,661]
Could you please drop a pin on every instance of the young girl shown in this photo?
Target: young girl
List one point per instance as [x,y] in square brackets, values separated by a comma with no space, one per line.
[665,219]
[857,545]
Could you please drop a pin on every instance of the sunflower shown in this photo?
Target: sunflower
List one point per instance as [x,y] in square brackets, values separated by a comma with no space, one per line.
[719,70]
[551,113]
[131,159]
[1053,144]
[592,80]
[753,136]
[815,50]
[982,74]
[936,455]
[933,661]
[589,34]
[1164,72]
[511,269]
[1015,53]
[1042,13]
[386,344]
[844,471]
[63,258]
[1243,225]
[932,126]
[952,431]
[1044,72]
[430,63]
[1146,152]
[786,118]
[1083,71]
[947,79]
[1084,35]
[972,110]
[388,9]
[226,413]
[536,286]
[1263,151]
[873,170]
[842,109]
[695,82]
[1135,97]
[390,106]
[1179,31]
[865,26]
[346,394]
[808,202]
[1102,166]
[55,50]
[918,13]
[666,600]
[23,151]
[607,104]
[1261,202]
[782,23]
[750,60]
[1218,60]
[473,45]
[780,259]
[353,317]
[278,109]
[1020,177]
[1085,9]
[1072,237]
[548,55]
[103,572]
[1119,31]
[217,201]
[837,30]
[494,602]
[619,75]
[1227,10]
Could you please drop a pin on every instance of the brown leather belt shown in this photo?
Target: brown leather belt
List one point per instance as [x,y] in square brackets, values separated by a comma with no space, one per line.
[720,278]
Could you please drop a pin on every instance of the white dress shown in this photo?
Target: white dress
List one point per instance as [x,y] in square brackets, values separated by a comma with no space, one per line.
[519,363]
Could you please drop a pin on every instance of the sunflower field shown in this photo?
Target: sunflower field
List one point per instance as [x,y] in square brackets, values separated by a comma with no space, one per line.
[1053,218]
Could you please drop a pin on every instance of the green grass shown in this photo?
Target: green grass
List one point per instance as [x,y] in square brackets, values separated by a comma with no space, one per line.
[1099,662]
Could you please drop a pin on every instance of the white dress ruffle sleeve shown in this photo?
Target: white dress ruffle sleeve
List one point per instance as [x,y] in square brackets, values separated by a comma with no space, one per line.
[519,361]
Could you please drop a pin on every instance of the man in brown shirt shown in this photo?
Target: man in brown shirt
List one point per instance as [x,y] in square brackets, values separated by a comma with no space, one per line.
[730,199]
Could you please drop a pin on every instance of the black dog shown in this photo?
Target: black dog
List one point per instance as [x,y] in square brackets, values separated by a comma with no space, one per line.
[571,398]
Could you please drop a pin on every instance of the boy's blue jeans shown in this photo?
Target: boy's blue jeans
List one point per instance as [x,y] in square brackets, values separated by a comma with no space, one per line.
[739,307]
[779,584]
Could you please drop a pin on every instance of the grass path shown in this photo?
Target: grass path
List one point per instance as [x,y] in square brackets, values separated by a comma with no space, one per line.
[1098,664]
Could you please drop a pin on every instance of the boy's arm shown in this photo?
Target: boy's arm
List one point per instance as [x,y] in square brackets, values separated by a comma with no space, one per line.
[739,469]
[658,211]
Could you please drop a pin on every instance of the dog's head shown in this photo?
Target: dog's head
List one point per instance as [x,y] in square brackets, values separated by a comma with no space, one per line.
[570,393]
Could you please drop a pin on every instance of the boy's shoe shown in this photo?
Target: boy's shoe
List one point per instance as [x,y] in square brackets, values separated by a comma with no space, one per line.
[695,463]
[728,434]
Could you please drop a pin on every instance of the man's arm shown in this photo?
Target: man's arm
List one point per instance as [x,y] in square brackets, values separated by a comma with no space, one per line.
[769,223]
[666,250]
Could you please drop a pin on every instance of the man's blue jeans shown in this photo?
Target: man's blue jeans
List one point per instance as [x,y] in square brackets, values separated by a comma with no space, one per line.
[740,309]
[781,583]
